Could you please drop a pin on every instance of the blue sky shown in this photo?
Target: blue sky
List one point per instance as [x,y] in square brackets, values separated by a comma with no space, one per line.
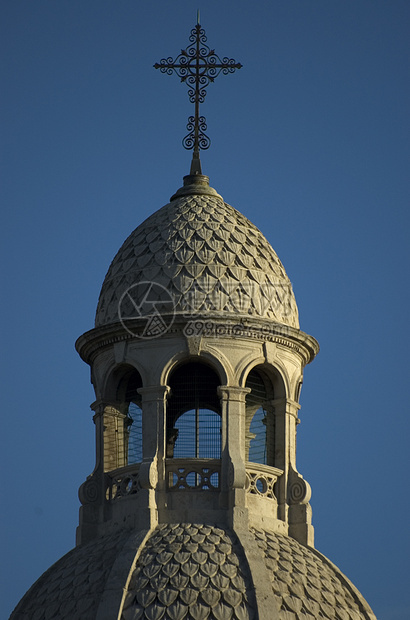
[310,140]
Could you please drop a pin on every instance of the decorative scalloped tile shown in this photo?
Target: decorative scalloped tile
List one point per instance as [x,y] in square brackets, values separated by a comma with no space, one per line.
[209,578]
[74,585]
[305,586]
[208,236]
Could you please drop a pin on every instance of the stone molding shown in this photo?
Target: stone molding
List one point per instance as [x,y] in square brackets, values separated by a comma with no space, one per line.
[242,328]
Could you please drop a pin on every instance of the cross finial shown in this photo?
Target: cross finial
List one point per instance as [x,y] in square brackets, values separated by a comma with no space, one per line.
[197,66]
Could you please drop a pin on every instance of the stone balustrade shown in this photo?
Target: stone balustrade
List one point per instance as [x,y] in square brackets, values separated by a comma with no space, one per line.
[198,474]
[261,479]
[192,473]
[122,482]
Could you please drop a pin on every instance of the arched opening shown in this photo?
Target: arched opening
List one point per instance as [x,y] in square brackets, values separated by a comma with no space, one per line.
[127,393]
[193,413]
[260,418]
[123,419]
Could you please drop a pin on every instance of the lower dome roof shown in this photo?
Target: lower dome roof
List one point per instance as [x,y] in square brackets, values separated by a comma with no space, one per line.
[192,571]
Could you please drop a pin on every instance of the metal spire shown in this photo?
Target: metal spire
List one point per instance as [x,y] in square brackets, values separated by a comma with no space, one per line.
[197,66]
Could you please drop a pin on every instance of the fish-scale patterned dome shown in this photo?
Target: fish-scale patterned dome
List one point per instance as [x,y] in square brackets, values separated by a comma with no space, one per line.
[72,588]
[207,255]
[306,584]
[192,571]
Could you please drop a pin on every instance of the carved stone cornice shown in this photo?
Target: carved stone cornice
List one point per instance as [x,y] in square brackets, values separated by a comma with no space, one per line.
[204,327]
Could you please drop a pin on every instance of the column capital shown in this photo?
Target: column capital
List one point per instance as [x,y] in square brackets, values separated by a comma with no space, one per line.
[290,406]
[154,392]
[227,392]
[101,406]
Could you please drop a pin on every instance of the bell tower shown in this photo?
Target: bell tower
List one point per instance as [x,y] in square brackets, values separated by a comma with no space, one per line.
[195,508]
[197,362]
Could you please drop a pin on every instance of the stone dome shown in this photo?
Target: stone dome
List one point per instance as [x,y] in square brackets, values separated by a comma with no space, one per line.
[192,571]
[209,257]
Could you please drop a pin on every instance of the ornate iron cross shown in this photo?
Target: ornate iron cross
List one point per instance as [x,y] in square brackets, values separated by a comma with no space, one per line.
[197,66]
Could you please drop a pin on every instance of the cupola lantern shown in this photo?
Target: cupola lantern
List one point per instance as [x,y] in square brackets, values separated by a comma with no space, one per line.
[197,362]
[195,508]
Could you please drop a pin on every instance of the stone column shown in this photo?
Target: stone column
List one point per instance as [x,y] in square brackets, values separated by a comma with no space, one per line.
[152,469]
[111,435]
[233,471]
[293,493]
[286,417]
[249,413]
[98,419]
[111,452]
[298,490]
[281,454]
[292,420]
[115,435]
